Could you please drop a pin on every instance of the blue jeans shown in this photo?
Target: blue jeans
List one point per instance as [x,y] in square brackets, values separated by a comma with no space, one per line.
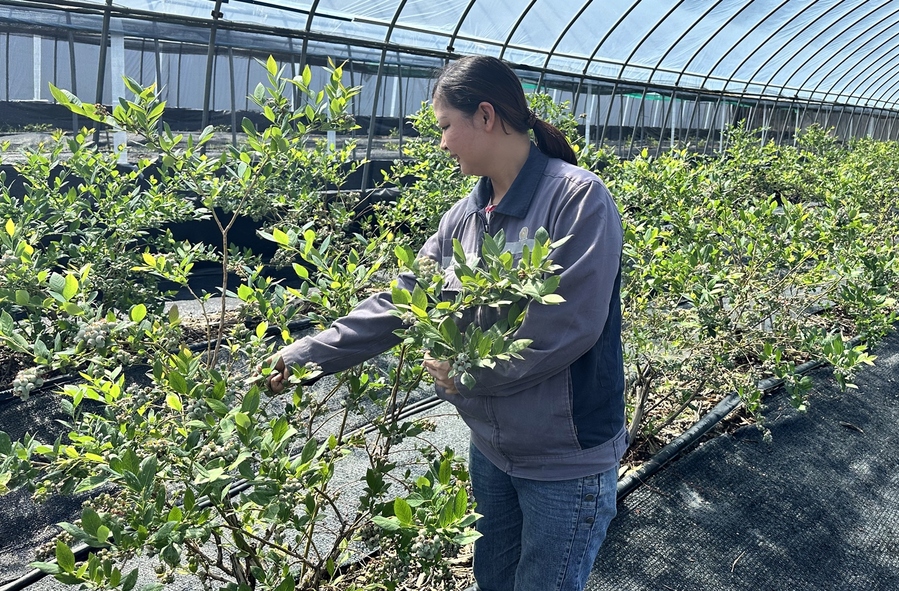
[536,535]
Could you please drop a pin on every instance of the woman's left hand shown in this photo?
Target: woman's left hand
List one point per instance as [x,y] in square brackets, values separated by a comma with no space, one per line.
[439,370]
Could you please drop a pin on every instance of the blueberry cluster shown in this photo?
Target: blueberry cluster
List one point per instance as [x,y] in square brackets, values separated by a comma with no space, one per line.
[428,548]
[94,335]
[293,486]
[196,409]
[140,395]
[27,381]
[227,451]
[408,318]
[461,363]
[369,534]
[48,549]
[426,266]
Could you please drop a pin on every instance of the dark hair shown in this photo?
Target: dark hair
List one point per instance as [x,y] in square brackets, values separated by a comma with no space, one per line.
[467,82]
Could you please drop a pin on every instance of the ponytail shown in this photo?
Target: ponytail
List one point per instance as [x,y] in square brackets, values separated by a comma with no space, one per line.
[553,142]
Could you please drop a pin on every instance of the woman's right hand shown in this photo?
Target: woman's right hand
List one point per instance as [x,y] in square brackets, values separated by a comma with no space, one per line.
[279,374]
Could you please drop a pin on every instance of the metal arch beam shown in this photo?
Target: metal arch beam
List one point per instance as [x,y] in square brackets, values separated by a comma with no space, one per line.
[740,40]
[887,77]
[671,47]
[839,95]
[839,51]
[517,24]
[892,101]
[450,47]
[602,41]
[627,61]
[844,95]
[807,44]
[558,41]
[670,108]
[765,63]
[366,168]
[877,70]
[836,35]
[309,18]
[771,36]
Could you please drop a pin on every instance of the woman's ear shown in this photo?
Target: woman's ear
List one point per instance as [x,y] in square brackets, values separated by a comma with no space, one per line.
[487,114]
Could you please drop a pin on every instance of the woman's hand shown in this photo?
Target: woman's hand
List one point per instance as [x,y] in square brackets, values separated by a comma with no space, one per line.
[275,380]
[439,370]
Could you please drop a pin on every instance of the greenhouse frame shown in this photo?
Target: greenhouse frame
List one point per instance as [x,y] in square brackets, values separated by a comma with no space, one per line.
[636,73]
[264,306]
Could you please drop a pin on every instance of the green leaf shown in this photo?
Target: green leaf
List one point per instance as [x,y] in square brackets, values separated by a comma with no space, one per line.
[72,309]
[90,520]
[129,581]
[138,312]
[466,538]
[217,406]
[242,420]
[250,402]
[460,504]
[57,283]
[65,558]
[70,288]
[280,237]
[279,429]
[445,473]
[22,297]
[467,380]
[245,292]
[419,298]
[400,296]
[308,451]
[174,402]
[390,524]
[403,511]
[446,515]
[48,568]
[271,65]
[178,383]
[286,585]
[552,299]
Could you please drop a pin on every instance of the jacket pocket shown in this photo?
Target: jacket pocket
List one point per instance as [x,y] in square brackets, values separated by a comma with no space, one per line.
[538,421]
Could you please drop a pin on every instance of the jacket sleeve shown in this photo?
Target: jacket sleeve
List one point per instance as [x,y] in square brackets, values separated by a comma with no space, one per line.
[365,332]
[562,333]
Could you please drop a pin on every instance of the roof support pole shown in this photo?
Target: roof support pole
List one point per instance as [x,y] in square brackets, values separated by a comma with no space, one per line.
[233,98]
[638,119]
[72,72]
[101,66]
[158,77]
[366,168]
[210,56]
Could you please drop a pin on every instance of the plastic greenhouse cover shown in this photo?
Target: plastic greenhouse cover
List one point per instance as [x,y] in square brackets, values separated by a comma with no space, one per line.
[838,50]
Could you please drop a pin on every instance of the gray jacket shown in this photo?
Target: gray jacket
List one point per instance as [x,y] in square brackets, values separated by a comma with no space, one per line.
[558,413]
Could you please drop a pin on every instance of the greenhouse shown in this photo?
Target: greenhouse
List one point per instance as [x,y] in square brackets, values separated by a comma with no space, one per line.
[196,195]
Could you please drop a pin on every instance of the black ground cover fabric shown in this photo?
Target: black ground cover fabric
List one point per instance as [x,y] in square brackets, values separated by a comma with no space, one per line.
[815,509]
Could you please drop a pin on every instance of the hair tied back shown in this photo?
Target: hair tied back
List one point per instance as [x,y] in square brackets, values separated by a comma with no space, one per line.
[532,119]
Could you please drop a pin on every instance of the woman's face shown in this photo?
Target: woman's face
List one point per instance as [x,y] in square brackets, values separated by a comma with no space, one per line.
[461,137]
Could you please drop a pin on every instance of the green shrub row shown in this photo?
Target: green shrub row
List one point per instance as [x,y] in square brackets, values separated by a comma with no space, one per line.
[736,268]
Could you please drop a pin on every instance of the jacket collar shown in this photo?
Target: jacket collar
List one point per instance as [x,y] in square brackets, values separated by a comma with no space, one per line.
[518,199]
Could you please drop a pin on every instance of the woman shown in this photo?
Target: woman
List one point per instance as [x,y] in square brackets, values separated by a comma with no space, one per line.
[547,430]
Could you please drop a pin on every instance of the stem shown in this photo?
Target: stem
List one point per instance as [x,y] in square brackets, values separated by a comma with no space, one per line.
[320,404]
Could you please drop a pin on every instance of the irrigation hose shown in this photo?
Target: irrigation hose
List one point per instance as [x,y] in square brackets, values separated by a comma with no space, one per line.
[731,402]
